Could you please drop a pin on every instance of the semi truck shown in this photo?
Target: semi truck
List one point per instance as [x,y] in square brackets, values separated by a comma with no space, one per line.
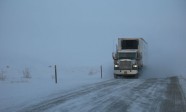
[129,56]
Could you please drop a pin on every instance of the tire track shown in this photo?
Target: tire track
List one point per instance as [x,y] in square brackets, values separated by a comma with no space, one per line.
[175,99]
[68,96]
[146,96]
[121,95]
[125,97]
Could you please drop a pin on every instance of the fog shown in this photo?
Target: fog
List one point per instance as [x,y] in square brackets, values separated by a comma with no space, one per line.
[82,33]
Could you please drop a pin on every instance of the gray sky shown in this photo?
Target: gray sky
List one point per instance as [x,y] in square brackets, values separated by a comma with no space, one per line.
[83,31]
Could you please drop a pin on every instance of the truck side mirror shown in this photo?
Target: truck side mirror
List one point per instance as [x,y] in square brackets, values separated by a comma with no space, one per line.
[139,56]
[113,56]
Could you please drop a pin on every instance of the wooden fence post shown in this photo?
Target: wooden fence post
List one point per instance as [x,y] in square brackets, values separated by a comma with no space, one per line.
[55,74]
[101,71]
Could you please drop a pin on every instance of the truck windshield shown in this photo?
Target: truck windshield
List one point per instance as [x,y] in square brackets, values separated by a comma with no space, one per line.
[129,44]
[127,55]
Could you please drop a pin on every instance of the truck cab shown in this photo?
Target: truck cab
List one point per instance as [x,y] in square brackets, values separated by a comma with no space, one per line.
[128,58]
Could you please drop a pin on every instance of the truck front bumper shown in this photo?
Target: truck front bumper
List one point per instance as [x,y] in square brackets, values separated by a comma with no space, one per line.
[126,72]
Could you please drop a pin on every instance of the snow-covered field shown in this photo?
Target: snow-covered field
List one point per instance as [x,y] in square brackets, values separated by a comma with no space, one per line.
[16,91]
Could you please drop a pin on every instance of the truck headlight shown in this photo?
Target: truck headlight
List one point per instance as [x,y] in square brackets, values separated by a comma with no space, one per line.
[116,65]
[135,66]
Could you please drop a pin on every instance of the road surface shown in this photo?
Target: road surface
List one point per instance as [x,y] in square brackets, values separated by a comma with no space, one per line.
[119,95]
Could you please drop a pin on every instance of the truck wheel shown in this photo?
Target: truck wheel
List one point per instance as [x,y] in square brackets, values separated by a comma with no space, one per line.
[136,76]
[115,76]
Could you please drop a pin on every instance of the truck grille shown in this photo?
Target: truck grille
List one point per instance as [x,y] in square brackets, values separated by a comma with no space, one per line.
[125,65]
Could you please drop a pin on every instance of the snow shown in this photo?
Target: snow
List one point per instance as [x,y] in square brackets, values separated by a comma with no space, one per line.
[182,81]
[78,37]
[19,92]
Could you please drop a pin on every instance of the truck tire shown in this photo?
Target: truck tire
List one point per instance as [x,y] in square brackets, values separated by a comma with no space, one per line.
[136,76]
[115,76]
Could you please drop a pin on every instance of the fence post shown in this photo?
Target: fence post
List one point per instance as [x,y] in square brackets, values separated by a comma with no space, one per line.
[55,74]
[101,71]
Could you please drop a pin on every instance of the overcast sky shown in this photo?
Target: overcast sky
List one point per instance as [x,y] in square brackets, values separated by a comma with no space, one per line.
[82,31]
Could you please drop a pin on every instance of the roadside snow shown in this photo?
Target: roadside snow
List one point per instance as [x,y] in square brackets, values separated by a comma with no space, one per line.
[182,81]
[16,92]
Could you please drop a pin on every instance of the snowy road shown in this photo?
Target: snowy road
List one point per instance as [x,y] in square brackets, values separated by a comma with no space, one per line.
[121,95]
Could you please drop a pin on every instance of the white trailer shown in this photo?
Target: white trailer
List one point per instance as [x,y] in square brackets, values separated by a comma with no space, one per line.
[129,57]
